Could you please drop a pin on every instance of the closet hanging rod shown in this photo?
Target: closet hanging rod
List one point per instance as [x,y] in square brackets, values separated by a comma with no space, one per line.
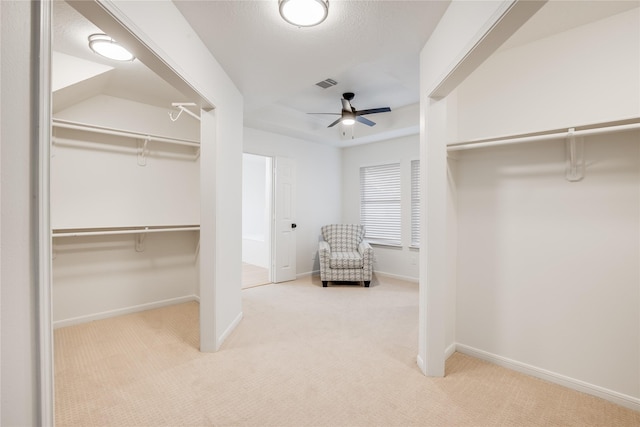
[556,135]
[66,124]
[123,231]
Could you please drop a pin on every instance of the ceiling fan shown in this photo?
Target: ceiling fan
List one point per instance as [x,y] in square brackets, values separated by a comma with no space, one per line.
[350,115]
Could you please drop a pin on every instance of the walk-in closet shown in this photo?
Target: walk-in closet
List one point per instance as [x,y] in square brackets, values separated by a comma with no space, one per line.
[125,175]
[544,190]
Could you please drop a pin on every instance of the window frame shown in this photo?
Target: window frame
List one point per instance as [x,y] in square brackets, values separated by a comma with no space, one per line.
[380,206]
[415,171]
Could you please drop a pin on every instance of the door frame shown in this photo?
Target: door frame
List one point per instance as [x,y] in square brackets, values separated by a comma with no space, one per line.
[269,209]
[41,59]
[42,115]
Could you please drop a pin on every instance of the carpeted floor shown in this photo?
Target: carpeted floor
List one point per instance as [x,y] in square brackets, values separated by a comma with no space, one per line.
[253,275]
[302,356]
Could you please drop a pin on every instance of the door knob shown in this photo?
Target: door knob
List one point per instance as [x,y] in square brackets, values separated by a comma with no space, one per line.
[294,225]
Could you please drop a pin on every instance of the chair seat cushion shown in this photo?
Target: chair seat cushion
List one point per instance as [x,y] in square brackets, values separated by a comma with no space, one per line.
[346,260]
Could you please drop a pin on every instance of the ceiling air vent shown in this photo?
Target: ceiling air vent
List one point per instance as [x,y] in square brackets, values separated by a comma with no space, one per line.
[327,83]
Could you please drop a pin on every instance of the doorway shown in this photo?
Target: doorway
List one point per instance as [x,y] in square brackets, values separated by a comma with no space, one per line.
[268,215]
[257,197]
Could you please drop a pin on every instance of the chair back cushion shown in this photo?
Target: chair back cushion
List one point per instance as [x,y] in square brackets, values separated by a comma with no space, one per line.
[343,237]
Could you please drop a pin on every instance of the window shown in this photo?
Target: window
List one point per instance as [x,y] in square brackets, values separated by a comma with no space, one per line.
[380,203]
[415,203]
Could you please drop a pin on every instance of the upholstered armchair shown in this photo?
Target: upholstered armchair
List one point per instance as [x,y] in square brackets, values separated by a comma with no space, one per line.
[344,254]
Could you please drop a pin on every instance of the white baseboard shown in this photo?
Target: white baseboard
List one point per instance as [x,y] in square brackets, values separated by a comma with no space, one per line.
[307,274]
[396,276]
[122,311]
[379,273]
[448,352]
[421,364]
[229,330]
[572,383]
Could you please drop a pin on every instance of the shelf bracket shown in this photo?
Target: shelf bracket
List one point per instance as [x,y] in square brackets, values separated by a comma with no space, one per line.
[574,171]
[140,242]
[143,151]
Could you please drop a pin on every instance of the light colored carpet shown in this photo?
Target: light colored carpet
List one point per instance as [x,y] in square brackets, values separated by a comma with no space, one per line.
[253,275]
[303,356]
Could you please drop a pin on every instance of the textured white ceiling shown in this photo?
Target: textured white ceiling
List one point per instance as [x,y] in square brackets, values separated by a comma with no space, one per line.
[370,48]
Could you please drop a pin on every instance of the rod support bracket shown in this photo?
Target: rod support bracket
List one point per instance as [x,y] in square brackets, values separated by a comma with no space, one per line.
[143,151]
[140,241]
[574,148]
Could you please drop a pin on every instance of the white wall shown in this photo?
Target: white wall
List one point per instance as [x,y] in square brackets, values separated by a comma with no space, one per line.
[256,213]
[548,271]
[128,115]
[103,276]
[99,183]
[463,26]
[588,74]
[96,180]
[318,184]
[402,261]
[221,158]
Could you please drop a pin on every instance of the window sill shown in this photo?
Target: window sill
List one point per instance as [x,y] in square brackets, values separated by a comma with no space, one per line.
[385,245]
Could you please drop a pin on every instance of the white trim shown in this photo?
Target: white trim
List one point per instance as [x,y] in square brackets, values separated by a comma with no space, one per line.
[122,311]
[378,273]
[308,273]
[42,147]
[450,350]
[420,363]
[385,245]
[572,383]
[229,330]
[397,276]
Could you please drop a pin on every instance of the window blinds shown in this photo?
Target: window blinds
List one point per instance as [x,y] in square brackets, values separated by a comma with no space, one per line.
[415,203]
[380,203]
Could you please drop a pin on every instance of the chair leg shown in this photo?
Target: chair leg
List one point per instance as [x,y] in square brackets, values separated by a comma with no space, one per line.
[324,283]
[366,283]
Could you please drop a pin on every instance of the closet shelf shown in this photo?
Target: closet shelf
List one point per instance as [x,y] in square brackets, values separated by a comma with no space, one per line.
[67,124]
[600,128]
[121,230]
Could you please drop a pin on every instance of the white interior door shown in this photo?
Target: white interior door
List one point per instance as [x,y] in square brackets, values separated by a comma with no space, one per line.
[284,230]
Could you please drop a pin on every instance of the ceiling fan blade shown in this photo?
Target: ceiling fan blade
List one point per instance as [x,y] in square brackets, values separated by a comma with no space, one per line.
[373,111]
[365,121]
[333,114]
[346,105]
[335,123]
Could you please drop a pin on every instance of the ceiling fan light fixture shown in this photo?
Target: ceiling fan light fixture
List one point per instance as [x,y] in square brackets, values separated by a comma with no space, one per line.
[105,46]
[348,119]
[304,13]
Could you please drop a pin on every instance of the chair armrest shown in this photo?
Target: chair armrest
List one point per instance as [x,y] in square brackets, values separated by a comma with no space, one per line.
[324,252]
[324,255]
[365,249]
[324,246]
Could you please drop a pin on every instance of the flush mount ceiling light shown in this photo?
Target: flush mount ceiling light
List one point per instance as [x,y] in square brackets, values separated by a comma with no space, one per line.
[304,13]
[105,46]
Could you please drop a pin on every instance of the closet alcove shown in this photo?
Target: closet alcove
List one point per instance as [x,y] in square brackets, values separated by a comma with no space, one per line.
[546,275]
[125,192]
